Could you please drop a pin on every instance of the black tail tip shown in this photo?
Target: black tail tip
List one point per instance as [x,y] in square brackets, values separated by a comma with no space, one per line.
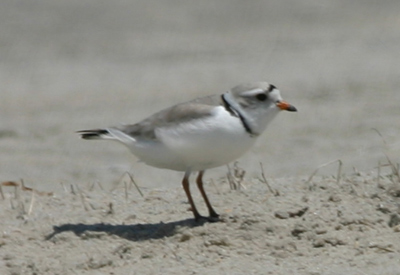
[92,134]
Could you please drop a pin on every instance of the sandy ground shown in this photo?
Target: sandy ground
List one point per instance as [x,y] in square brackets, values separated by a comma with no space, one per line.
[68,65]
[317,227]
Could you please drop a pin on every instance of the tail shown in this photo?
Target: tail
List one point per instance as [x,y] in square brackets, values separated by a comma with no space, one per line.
[95,134]
[111,133]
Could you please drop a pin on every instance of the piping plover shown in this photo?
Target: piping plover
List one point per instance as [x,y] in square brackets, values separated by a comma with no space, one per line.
[200,134]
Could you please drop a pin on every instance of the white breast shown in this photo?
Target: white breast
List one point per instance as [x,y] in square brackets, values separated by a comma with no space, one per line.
[197,144]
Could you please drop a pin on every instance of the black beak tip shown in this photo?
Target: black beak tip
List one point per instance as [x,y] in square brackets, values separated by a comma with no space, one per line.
[292,109]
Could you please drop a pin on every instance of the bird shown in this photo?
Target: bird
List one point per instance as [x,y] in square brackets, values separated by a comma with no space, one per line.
[200,134]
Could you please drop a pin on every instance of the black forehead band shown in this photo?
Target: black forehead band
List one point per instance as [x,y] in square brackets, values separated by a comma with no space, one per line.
[271,88]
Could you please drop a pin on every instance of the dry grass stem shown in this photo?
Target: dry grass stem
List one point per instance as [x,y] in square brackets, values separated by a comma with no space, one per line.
[16,192]
[215,186]
[239,174]
[64,188]
[17,186]
[12,205]
[22,207]
[379,133]
[394,167]
[264,180]
[117,183]
[230,180]
[101,186]
[91,187]
[31,204]
[73,190]
[134,183]
[1,193]
[379,173]
[126,190]
[11,184]
[339,172]
[235,179]
[83,199]
[110,209]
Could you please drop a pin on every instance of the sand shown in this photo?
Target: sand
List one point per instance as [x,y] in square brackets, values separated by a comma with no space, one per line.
[318,227]
[69,65]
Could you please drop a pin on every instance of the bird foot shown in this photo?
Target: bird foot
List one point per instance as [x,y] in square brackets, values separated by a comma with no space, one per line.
[213,218]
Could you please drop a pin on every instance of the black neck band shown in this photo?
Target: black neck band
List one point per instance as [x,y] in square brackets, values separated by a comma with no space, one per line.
[236,113]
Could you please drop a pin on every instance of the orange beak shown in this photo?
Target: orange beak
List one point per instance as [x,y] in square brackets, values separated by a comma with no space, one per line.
[283,105]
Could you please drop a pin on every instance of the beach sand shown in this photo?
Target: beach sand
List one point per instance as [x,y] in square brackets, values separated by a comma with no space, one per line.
[317,227]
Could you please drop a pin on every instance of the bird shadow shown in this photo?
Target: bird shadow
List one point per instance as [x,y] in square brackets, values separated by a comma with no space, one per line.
[133,232]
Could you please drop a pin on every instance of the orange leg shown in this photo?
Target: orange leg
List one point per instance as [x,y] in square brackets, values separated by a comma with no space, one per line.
[199,182]
[185,184]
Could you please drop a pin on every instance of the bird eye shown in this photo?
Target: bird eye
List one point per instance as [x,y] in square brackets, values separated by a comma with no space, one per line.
[261,97]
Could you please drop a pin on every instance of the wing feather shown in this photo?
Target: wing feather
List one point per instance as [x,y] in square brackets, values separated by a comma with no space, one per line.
[181,113]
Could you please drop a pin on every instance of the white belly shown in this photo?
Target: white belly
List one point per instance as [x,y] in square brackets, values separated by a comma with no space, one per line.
[197,145]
